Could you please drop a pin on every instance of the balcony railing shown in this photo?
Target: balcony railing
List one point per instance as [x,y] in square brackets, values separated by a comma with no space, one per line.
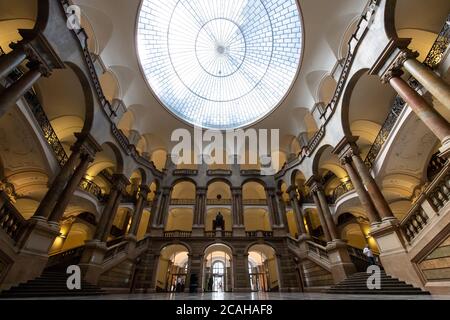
[385,131]
[342,189]
[440,46]
[11,221]
[92,188]
[177,234]
[259,234]
[214,234]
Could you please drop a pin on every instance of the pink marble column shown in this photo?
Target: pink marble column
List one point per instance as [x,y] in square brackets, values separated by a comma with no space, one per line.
[430,117]
[374,191]
[323,221]
[363,196]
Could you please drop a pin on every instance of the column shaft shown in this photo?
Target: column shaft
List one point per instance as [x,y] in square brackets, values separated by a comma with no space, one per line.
[374,192]
[102,225]
[10,61]
[111,215]
[327,215]
[298,215]
[137,216]
[10,95]
[323,222]
[430,117]
[363,196]
[430,80]
[48,202]
[69,190]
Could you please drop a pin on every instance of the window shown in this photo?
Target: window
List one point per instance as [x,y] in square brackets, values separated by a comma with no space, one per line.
[220,64]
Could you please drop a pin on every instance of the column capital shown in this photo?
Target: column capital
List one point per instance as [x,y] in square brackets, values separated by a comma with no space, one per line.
[346,147]
[271,190]
[86,144]
[395,68]
[236,190]
[120,182]
[166,190]
[314,183]
[201,190]
[292,192]
[144,190]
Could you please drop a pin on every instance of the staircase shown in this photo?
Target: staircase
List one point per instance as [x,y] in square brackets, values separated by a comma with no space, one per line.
[357,284]
[49,284]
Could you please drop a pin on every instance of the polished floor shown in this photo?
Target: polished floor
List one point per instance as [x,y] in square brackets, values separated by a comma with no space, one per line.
[249,296]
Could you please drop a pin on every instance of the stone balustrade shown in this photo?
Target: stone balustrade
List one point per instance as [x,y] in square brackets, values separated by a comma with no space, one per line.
[11,221]
[437,194]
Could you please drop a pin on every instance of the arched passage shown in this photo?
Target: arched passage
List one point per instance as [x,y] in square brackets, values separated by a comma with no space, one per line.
[263,268]
[217,269]
[173,267]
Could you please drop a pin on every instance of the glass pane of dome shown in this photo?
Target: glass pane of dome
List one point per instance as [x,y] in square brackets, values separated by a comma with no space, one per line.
[220,64]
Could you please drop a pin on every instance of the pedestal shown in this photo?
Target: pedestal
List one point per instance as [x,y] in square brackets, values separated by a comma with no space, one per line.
[341,264]
[394,256]
[238,231]
[32,257]
[198,231]
[92,260]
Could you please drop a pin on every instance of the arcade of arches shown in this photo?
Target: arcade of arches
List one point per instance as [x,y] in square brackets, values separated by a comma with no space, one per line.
[87,175]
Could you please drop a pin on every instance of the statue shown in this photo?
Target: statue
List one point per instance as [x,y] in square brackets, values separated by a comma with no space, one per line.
[219,222]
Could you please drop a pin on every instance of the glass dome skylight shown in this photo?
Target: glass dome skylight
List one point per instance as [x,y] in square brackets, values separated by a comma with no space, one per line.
[220,64]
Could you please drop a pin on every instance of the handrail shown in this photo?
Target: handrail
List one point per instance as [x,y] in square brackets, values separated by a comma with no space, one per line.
[317,249]
[439,47]
[259,234]
[342,189]
[66,256]
[11,221]
[115,250]
[177,234]
[438,194]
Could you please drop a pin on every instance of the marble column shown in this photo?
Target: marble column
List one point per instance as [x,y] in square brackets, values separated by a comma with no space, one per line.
[297,211]
[10,95]
[282,209]
[110,209]
[327,214]
[139,209]
[163,206]
[321,216]
[273,207]
[153,210]
[72,185]
[430,80]
[200,206]
[430,117]
[10,61]
[51,197]
[363,196]
[237,206]
[374,191]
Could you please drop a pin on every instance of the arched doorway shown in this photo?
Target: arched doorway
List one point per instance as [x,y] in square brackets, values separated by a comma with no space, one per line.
[173,268]
[217,269]
[263,268]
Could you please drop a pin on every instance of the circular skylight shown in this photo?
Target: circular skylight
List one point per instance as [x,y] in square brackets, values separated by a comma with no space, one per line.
[220,64]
